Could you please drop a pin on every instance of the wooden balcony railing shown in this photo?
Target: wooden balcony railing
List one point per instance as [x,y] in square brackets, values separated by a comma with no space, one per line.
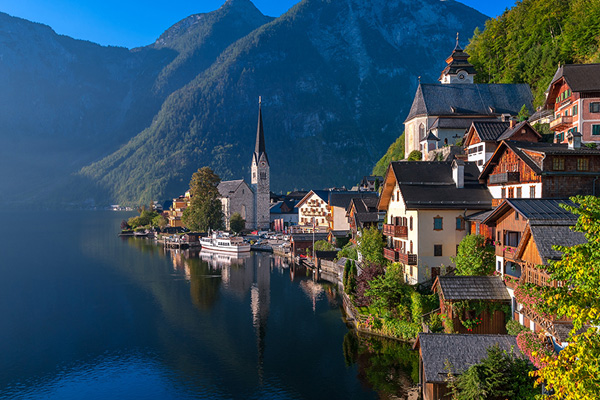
[407,259]
[506,251]
[561,123]
[505,177]
[397,231]
[391,254]
[539,277]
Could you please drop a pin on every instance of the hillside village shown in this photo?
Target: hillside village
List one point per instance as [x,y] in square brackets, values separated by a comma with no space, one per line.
[484,168]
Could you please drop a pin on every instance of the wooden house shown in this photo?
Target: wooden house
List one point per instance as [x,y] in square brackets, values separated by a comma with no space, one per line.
[362,214]
[540,170]
[482,138]
[438,352]
[474,304]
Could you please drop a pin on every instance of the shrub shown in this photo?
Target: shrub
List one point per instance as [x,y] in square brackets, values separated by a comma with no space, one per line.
[513,327]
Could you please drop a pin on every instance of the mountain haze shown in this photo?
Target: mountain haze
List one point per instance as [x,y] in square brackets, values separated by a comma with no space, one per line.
[337,79]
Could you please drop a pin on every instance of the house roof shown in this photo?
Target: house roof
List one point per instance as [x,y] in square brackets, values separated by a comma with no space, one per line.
[277,207]
[429,184]
[547,236]
[459,351]
[479,216]
[226,188]
[536,211]
[455,288]
[470,99]
[322,194]
[343,199]
[490,131]
[579,77]
[308,237]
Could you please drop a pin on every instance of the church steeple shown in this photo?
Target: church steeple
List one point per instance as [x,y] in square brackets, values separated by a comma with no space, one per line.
[260,148]
[458,70]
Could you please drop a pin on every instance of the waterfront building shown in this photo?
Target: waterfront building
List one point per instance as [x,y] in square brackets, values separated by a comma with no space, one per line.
[440,113]
[313,211]
[175,213]
[427,203]
[574,97]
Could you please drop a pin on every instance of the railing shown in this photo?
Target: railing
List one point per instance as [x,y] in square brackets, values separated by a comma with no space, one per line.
[539,277]
[506,251]
[505,177]
[391,254]
[407,259]
[561,122]
[395,231]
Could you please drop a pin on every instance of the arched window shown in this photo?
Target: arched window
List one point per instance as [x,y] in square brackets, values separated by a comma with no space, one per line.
[421,132]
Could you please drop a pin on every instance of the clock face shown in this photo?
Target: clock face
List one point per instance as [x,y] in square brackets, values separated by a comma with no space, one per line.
[262,164]
[462,75]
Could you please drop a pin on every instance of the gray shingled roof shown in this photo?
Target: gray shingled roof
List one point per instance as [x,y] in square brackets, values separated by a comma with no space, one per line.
[342,199]
[228,187]
[544,211]
[459,351]
[546,236]
[511,131]
[490,131]
[306,237]
[579,77]
[455,288]
[470,99]
[451,123]
[429,184]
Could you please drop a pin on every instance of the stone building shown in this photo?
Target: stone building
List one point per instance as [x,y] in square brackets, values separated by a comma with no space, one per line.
[251,201]
[441,112]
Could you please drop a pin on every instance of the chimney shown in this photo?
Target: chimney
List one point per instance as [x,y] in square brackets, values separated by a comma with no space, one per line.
[574,140]
[458,173]
[512,123]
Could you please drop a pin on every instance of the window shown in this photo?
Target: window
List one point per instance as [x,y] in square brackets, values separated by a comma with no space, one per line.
[411,247]
[411,223]
[511,193]
[263,175]
[438,223]
[532,192]
[503,193]
[595,130]
[575,109]
[460,224]
[595,107]
[437,250]
[583,164]
[516,215]
[558,164]
[519,193]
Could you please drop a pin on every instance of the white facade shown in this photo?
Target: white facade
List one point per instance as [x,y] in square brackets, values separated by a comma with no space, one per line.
[480,153]
[313,208]
[524,191]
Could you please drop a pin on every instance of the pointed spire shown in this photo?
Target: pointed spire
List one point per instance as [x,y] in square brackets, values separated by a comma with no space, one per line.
[457,47]
[260,147]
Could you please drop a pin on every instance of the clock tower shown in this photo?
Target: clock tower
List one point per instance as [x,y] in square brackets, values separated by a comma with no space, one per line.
[260,181]
[458,70]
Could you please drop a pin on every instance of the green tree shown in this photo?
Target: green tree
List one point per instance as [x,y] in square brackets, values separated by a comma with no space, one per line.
[347,268]
[324,245]
[159,222]
[394,153]
[474,256]
[523,114]
[205,212]
[415,155]
[501,375]
[370,246]
[575,372]
[237,223]
[389,291]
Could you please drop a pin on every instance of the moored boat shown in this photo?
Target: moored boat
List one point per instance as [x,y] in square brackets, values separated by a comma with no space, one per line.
[228,244]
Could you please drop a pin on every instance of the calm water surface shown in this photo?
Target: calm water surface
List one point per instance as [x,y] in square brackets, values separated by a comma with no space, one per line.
[87,315]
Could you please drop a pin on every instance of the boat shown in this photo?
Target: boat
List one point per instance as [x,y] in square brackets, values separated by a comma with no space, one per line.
[221,242]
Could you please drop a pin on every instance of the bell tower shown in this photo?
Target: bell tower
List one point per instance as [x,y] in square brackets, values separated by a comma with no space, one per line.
[261,177]
[458,70]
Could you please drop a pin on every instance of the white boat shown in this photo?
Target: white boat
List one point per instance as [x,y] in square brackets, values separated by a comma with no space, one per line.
[219,242]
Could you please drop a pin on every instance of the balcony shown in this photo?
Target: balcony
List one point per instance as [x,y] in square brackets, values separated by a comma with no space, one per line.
[506,251]
[537,276]
[407,259]
[561,123]
[397,231]
[391,254]
[505,177]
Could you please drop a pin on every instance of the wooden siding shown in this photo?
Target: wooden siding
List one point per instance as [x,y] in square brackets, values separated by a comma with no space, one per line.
[510,162]
[488,326]
[436,391]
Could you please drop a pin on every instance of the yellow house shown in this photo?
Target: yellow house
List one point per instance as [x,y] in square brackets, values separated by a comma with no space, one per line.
[426,205]
[179,204]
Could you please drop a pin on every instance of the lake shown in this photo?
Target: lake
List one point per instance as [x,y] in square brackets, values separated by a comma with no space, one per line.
[88,315]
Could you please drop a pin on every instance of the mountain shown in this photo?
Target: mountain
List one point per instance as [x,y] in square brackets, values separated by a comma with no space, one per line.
[527,43]
[66,103]
[337,79]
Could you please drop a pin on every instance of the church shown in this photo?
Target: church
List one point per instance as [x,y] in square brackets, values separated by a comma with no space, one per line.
[251,201]
[441,112]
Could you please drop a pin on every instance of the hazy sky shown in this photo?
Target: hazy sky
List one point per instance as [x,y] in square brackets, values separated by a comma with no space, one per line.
[133,23]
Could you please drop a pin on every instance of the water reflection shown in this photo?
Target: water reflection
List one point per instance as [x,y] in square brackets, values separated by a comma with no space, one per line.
[388,366]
